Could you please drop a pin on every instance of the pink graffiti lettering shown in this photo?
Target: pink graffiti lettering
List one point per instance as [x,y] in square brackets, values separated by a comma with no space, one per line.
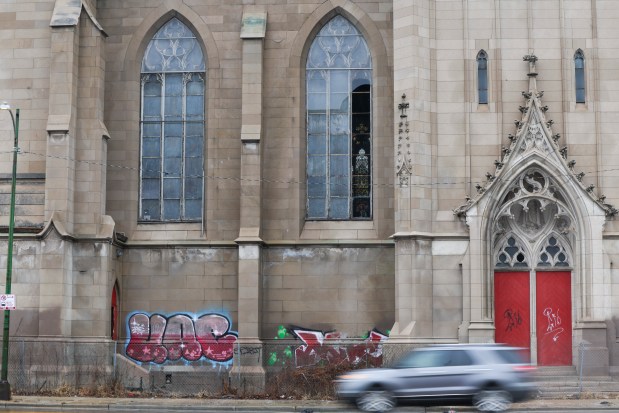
[158,339]
[329,348]
[146,337]
[182,338]
[216,341]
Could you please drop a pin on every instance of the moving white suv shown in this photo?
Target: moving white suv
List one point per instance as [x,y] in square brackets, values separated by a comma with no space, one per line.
[489,377]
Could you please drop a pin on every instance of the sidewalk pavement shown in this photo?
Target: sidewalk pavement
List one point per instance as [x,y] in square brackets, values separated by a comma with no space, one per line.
[250,405]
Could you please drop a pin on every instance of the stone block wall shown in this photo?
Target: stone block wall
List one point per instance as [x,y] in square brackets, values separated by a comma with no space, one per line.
[346,289]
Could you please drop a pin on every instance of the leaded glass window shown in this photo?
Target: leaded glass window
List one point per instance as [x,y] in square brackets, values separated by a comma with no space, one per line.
[579,75]
[482,77]
[172,126]
[339,124]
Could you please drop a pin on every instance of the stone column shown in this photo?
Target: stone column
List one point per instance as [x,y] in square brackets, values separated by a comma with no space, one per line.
[56,295]
[413,103]
[61,125]
[248,373]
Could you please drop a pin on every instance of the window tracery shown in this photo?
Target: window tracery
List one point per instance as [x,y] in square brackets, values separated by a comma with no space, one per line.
[172,126]
[339,148]
[533,207]
[511,254]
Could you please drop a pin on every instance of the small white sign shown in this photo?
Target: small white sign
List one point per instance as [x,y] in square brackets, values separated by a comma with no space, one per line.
[7,302]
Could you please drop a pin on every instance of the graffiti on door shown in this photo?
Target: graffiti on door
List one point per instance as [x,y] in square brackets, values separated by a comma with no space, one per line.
[554,323]
[514,319]
[157,338]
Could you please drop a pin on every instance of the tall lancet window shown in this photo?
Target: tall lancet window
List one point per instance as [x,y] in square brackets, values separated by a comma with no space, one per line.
[579,75]
[482,77]
[339,124]
[172,126]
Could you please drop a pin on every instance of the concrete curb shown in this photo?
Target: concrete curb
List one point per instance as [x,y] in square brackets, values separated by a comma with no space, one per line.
[36,403]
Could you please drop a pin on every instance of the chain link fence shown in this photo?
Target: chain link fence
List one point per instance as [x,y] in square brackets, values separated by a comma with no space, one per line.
[588,378]
[284,369]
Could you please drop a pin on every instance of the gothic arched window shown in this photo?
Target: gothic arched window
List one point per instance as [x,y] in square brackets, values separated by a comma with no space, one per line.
[579,75]
[482,77]
[339,115]
[172,126]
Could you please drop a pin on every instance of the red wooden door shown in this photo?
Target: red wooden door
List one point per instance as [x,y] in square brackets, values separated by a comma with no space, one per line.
[554,318]
[512,310]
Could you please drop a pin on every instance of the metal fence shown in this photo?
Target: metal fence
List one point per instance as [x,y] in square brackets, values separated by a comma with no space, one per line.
[274,369]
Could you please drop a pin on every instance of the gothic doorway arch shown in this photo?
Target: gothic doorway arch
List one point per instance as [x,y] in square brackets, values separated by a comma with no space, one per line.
[533,235]
[535,221]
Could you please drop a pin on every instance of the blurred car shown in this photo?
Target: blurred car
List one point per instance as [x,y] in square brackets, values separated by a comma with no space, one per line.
[489,377]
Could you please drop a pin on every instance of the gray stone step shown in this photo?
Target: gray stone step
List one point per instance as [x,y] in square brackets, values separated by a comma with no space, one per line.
[556,371]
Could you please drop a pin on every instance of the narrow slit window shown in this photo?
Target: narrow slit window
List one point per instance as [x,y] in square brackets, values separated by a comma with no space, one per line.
[579,75]
[482,77]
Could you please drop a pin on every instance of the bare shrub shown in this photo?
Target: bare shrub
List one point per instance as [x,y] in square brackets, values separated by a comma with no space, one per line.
[312,382]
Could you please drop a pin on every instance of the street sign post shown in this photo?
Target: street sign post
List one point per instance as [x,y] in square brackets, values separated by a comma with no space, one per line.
[7,301]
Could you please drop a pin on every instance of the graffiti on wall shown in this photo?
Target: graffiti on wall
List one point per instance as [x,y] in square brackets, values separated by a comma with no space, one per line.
[318,347]
[157,338]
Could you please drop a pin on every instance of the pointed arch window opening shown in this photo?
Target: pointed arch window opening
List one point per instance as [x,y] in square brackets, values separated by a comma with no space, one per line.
[172,126]
[511,254]
[553,253]
[339,124]
[482,77]
[579,76]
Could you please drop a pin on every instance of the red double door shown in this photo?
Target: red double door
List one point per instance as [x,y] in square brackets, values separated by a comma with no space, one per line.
[553,314]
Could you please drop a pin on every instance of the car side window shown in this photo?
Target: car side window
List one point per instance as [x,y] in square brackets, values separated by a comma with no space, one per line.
[425,359]
[509,356]
[459,358]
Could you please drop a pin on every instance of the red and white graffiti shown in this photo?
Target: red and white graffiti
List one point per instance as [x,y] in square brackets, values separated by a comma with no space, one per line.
[157,338]
[327,347]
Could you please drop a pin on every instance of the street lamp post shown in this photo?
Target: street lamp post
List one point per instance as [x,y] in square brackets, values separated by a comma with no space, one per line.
[5,387]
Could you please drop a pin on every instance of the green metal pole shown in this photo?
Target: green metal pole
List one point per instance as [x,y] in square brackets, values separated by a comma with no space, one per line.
[5,388]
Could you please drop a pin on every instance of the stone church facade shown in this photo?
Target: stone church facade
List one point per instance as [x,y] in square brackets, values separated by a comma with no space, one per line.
[204,172]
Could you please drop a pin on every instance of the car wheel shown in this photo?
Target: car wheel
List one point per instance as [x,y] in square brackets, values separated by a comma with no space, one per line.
[492,400]
[376,400]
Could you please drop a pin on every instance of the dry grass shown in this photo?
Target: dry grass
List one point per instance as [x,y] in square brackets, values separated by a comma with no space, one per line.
[304,383]
[315,382]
